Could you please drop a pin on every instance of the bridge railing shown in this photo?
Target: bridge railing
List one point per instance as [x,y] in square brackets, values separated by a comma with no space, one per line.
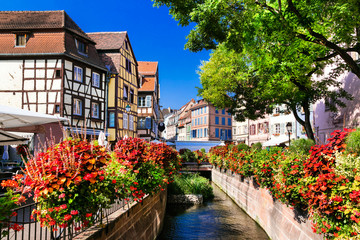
[31,229]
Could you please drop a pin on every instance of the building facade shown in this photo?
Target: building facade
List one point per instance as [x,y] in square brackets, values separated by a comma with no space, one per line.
[49,65]
[209,123]
[148,100]
[117,55]
[184,123]
[240,131]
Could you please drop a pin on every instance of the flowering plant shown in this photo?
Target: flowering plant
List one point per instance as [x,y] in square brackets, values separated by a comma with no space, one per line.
[14,196]
[62,175]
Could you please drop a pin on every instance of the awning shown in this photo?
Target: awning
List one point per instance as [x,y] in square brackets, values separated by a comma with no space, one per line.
[11,117]
[276,141]
[7,138]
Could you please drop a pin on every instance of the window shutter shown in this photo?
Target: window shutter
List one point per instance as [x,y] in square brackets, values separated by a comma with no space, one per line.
[148,101]
[294,128]
[125,121]
[282,128]
[148,123]
[131,122]
[272,130]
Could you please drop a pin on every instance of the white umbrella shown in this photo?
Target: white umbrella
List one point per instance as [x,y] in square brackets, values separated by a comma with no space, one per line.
[11,117]
[7,138]
[101,138]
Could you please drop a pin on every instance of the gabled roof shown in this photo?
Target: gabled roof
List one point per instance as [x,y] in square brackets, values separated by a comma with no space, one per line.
[31,20]
[147,68]
[108,40]
[148,84]
[200,103]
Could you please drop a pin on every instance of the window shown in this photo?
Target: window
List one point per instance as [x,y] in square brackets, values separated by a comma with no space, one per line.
[131,121]
[128,65]
[193,133]
[78,107]
[229,121]
[217,132]
[205,132]
[57,108]
[125,93]
[57,73]
[253,129]
[229,114]
[78,74]
[95,110]
[216,120]
[277,128]
[125,121]
[229,134]
[205,109]
[81,46]
[141,123]
[234,131]
[216,110]
[223,121]
[223,111]
[205,119]
[201,110]
[20,40]
[148,101]
[96,80]
[131,95]
[111,119]
[141,101]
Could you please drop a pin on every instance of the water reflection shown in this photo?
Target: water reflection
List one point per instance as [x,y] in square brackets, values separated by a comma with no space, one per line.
[218,219]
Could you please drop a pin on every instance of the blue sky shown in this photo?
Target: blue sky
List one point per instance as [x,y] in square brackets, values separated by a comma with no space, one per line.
[154,36]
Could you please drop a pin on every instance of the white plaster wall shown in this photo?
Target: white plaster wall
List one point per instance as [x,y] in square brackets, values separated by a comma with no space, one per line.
[11,74]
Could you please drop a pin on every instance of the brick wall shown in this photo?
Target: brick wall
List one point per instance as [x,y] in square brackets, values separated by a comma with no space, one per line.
[142,221]
[278,220]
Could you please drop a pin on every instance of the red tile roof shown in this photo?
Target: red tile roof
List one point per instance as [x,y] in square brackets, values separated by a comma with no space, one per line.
[48,32]
[147,68]
[37,43]
[108,40]
[31,20]
[148,84]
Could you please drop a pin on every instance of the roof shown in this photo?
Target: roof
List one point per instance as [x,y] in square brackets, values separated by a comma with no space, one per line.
[147,68]
[108,40]
[31,20]
[50,32]
[200,103]
[148,84]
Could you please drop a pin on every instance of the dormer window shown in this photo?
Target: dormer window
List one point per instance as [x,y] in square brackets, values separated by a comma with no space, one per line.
[81,46]
[20,40]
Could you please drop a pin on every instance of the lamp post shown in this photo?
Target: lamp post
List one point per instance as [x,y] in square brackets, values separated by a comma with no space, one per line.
[288,128]
[128,108]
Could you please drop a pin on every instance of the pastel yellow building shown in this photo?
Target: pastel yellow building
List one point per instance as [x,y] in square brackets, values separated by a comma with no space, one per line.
[118,57]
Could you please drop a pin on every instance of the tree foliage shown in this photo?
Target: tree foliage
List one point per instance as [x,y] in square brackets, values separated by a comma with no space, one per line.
[269,52]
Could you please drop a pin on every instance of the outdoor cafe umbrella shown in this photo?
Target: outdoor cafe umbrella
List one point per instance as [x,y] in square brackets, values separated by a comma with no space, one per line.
[11,117]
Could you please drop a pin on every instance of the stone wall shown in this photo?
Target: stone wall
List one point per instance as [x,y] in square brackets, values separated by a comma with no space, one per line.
[142,221]
[279,221]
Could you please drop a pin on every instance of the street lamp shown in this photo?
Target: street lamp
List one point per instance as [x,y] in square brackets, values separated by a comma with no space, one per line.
[288,128]
[128,108]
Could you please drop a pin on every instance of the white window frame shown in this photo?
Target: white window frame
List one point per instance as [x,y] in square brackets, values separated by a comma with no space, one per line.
[96,80]
[77,71]
[125,121]
[95,110]
[131,122]
[148,101]
[142,102]
[277,128]
[77,107]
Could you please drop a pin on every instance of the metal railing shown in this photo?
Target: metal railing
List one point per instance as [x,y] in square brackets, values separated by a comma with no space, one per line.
[33,231]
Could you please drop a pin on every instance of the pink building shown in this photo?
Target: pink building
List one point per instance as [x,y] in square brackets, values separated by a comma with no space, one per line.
[209,123]
[259,130]
[325,121]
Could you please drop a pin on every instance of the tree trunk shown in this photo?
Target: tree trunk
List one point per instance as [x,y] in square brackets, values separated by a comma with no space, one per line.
[305,123]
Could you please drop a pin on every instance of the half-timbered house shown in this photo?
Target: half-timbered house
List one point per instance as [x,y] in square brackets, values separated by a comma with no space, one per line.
[49,65]
[117,55]
[148,103]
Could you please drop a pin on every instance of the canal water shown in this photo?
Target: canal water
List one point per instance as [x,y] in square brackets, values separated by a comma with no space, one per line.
[220,218]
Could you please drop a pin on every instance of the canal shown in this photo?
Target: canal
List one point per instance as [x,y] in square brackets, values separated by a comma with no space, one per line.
[220,218]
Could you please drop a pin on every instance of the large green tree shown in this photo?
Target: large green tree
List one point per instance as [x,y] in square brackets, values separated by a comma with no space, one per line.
[268,52]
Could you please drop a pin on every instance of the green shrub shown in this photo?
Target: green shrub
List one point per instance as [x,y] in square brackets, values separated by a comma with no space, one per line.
[256,146]
[301,146]
[191,184]
[242,146]
[353,142]
[187,155]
